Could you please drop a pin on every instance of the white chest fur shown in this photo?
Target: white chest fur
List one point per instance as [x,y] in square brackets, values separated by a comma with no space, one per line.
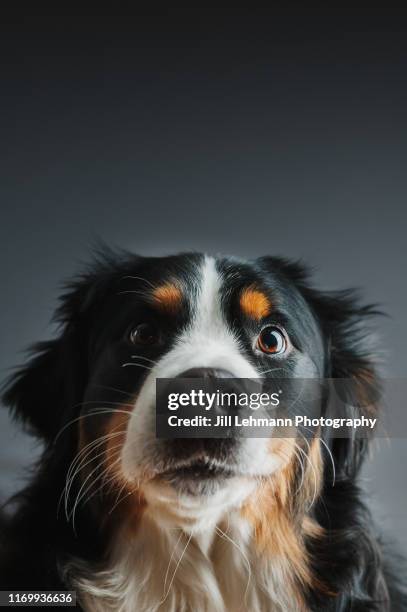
[166,569]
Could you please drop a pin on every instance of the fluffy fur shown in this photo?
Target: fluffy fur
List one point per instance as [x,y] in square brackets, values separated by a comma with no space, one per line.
[135,523]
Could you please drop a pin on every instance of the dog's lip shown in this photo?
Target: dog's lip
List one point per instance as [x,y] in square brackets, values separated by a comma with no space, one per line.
[197,468]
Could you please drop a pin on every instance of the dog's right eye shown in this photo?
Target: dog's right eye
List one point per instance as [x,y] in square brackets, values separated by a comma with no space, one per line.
[272,340]
[144,333]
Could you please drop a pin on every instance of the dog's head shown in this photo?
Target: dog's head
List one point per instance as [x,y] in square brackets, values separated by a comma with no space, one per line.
[130,320]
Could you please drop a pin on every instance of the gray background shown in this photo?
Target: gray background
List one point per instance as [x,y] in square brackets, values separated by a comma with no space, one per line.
[281,134]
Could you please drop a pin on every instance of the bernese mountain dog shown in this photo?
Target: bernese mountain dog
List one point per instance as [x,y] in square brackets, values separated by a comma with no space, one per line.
[133,522]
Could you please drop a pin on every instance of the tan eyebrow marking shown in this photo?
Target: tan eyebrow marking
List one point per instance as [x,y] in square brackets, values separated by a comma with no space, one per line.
[254,303]
[168,297]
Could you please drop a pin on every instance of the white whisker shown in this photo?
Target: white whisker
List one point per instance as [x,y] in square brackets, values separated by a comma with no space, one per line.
[329,453]
[313,471]
[249,568]
[94,413]
[139,278]
[176,567]
[170,561]
[145,358]
[138,365]
[82,493]
[112,389]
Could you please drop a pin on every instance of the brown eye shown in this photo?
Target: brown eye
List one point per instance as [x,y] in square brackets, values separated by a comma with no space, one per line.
[272,341]
[145,333]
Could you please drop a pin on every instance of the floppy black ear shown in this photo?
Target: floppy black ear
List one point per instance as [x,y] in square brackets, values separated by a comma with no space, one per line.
[43,393]
[352,361]
[350,357]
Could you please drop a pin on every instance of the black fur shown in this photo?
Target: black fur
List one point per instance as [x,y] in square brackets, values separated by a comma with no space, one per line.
[37,539]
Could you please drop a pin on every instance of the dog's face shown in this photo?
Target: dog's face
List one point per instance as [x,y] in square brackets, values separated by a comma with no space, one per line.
[185,316]
[133,320]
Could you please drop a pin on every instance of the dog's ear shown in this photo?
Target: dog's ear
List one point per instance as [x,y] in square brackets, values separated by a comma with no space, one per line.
[44,392]
[351,358]
[39,392]
[352,365]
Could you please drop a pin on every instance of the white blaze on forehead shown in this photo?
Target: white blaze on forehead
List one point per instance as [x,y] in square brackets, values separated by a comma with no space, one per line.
[208,341]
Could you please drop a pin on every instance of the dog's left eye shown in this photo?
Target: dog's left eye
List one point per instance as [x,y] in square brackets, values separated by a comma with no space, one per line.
[272,341]
[145,333]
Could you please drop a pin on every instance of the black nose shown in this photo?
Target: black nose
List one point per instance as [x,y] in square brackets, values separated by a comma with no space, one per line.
[217,379]
[205,373]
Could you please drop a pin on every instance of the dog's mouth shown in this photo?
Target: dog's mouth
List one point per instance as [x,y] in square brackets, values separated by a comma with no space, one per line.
[200,469]
[195,465]
[197,477]
[204,460]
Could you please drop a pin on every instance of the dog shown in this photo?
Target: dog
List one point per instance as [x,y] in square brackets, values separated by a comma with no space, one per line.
[134,522]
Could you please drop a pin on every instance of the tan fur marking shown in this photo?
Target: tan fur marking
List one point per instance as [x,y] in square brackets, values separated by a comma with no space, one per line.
[125,504]
[133,501]
[365,390]
[278,513]
[254,303]
[167,297]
